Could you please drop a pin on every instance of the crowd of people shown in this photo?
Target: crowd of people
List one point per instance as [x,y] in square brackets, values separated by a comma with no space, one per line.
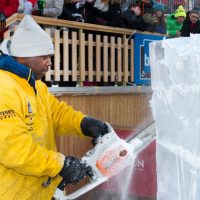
[143,15]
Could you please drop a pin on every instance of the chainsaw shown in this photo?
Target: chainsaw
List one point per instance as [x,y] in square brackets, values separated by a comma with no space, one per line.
[109,157]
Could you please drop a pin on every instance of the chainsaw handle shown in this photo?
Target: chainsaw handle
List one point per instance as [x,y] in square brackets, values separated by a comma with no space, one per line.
[60,189]
[62,185]
[59,194]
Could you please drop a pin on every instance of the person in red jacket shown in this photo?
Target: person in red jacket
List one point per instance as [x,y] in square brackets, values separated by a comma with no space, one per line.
[7,8]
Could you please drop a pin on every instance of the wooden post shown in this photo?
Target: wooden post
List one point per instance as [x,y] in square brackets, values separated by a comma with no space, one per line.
[74,56]
[65,56]
[57,55]
[112,59]
[6,34]
[90,57]
[119,59]
[105,58]
[125,60]
[132,60]
[98,58]
[81,56]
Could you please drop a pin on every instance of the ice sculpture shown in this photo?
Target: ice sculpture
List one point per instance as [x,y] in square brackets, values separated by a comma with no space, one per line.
[175,72]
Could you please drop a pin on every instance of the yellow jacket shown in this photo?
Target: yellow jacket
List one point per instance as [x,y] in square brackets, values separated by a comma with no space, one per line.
[28,124]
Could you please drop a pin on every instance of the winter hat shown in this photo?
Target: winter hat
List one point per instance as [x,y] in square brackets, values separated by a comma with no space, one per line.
[158,6]
[180,12]
[30,40]
[195,10]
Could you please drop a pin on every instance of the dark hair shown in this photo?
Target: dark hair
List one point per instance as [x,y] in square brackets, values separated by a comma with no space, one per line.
[195,10]
[134,5]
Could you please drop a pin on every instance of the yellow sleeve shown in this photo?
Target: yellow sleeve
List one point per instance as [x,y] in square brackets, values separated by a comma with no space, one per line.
[65,119]
[18,150]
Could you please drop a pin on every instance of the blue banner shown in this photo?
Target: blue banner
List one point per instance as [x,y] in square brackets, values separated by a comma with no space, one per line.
[142,70]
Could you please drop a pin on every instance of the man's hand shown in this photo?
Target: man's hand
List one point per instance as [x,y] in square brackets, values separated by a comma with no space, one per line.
[149,19]
[74,170]
[93,128]
[2,21]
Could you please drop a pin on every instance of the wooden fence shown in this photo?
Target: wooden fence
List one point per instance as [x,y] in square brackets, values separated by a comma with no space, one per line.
[86,52]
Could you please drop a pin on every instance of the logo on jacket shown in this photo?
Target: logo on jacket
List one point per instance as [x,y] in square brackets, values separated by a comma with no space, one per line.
[29,107]
[6,114]
[29,117]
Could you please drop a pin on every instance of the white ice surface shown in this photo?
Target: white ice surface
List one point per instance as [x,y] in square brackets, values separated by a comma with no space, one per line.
[175,72]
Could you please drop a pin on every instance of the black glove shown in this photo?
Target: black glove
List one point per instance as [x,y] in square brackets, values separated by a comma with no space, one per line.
[74,170]
[2,21]
[93,128]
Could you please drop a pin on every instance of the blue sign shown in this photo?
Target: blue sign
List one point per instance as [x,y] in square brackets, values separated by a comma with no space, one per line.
[142,70]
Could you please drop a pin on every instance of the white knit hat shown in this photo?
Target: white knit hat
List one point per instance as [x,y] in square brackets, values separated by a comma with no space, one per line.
[30,40]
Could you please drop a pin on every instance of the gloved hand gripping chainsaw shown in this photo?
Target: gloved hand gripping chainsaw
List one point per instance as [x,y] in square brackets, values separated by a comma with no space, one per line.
[108,158]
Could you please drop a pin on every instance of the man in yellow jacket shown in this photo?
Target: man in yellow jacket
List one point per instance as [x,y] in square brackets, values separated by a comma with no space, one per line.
[30,117]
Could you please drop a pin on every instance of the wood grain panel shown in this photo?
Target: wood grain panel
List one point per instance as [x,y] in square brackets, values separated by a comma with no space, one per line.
[122,111]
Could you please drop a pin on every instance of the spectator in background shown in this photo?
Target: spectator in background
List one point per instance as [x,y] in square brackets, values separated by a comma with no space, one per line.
[48,8]
[98,14]
[106,12]
[115,14]
[191,23]
[7,8]
[73,10]
[146,6]
[160,26]
[175,22]
[26,6]
[132,17]
[147,13]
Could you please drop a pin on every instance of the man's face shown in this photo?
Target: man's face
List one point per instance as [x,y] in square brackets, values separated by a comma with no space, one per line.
[194,17]
[159,13]
[180,19]
[39,65]
[136,10]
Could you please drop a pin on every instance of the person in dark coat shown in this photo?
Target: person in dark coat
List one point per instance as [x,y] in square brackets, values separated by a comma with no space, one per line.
[146,6]
[191,23]
[132,17]
[115,14]
[147,13]
[106,12]
[98,13]
[73,10]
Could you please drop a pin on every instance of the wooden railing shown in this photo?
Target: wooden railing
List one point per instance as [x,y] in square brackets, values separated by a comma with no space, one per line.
[86,52]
